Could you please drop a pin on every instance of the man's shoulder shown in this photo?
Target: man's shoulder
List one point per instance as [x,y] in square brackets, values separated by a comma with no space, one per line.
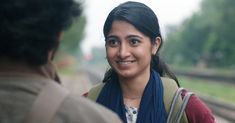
[85,110]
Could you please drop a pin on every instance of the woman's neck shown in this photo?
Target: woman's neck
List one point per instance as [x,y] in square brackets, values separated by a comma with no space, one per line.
[133,88]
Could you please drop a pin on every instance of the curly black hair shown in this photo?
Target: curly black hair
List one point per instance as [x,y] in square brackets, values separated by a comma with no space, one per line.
[29,29]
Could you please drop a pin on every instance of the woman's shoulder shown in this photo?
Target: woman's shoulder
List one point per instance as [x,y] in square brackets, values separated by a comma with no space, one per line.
[94,91]
[197,111]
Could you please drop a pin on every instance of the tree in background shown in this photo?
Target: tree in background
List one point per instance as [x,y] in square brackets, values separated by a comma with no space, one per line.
[206,38]
[72,37]
[70,44]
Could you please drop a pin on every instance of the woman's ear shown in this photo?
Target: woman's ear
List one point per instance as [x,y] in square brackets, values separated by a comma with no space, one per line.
[156,45]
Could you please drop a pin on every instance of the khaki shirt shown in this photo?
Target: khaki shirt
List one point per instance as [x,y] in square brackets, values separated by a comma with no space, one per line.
[17,94]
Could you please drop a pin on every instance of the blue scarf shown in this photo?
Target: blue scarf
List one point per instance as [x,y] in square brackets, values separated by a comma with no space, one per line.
[151,110]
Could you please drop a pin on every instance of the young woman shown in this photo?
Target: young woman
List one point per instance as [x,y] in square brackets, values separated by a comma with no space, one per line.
[133,86]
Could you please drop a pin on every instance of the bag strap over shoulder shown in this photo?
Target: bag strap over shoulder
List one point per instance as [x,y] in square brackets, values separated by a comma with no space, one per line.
[174,104]
[95,91]
[183,106]
[47,103]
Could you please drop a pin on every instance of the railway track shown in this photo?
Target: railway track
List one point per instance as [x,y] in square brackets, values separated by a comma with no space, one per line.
[208,76]
[219,108]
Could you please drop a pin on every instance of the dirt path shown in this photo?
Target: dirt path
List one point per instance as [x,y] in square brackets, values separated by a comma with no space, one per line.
[78,83]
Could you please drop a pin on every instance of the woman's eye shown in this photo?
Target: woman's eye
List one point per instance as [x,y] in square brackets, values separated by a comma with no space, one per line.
[112,43]
[134,42]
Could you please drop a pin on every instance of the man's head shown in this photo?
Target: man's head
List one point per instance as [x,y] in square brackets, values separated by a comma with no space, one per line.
[30,29]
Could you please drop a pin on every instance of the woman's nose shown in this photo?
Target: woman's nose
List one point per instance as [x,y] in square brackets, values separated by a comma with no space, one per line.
[124,51]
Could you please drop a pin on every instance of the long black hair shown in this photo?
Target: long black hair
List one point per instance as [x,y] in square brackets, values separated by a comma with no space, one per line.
[145,20]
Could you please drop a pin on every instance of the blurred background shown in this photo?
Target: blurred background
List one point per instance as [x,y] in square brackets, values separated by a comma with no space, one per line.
[198,46]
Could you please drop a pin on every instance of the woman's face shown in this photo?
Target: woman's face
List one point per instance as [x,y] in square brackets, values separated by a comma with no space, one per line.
[129,50]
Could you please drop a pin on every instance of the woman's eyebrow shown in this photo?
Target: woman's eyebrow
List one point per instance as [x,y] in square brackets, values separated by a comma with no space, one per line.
[129,36]
[112,36]
[134,36]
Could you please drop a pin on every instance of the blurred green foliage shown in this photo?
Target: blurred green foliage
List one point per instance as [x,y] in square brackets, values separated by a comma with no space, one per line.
[69,49]
[72,37]
[205,39]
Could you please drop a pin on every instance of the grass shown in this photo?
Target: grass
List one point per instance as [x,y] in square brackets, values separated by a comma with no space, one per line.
[225,92]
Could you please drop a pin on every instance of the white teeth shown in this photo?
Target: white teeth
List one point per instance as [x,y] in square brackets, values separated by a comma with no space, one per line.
[124,62]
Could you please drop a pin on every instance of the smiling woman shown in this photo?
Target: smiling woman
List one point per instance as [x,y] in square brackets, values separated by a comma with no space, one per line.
[126,50]
[138,79]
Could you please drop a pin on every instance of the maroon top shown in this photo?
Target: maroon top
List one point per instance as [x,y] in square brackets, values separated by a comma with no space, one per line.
[197,111]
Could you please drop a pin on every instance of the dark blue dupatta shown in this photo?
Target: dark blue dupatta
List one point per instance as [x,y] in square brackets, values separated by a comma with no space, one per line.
[151,110]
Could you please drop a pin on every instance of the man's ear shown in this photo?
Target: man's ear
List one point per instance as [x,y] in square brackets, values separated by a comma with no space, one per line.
[60,35]
[51,53]
[156,45]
